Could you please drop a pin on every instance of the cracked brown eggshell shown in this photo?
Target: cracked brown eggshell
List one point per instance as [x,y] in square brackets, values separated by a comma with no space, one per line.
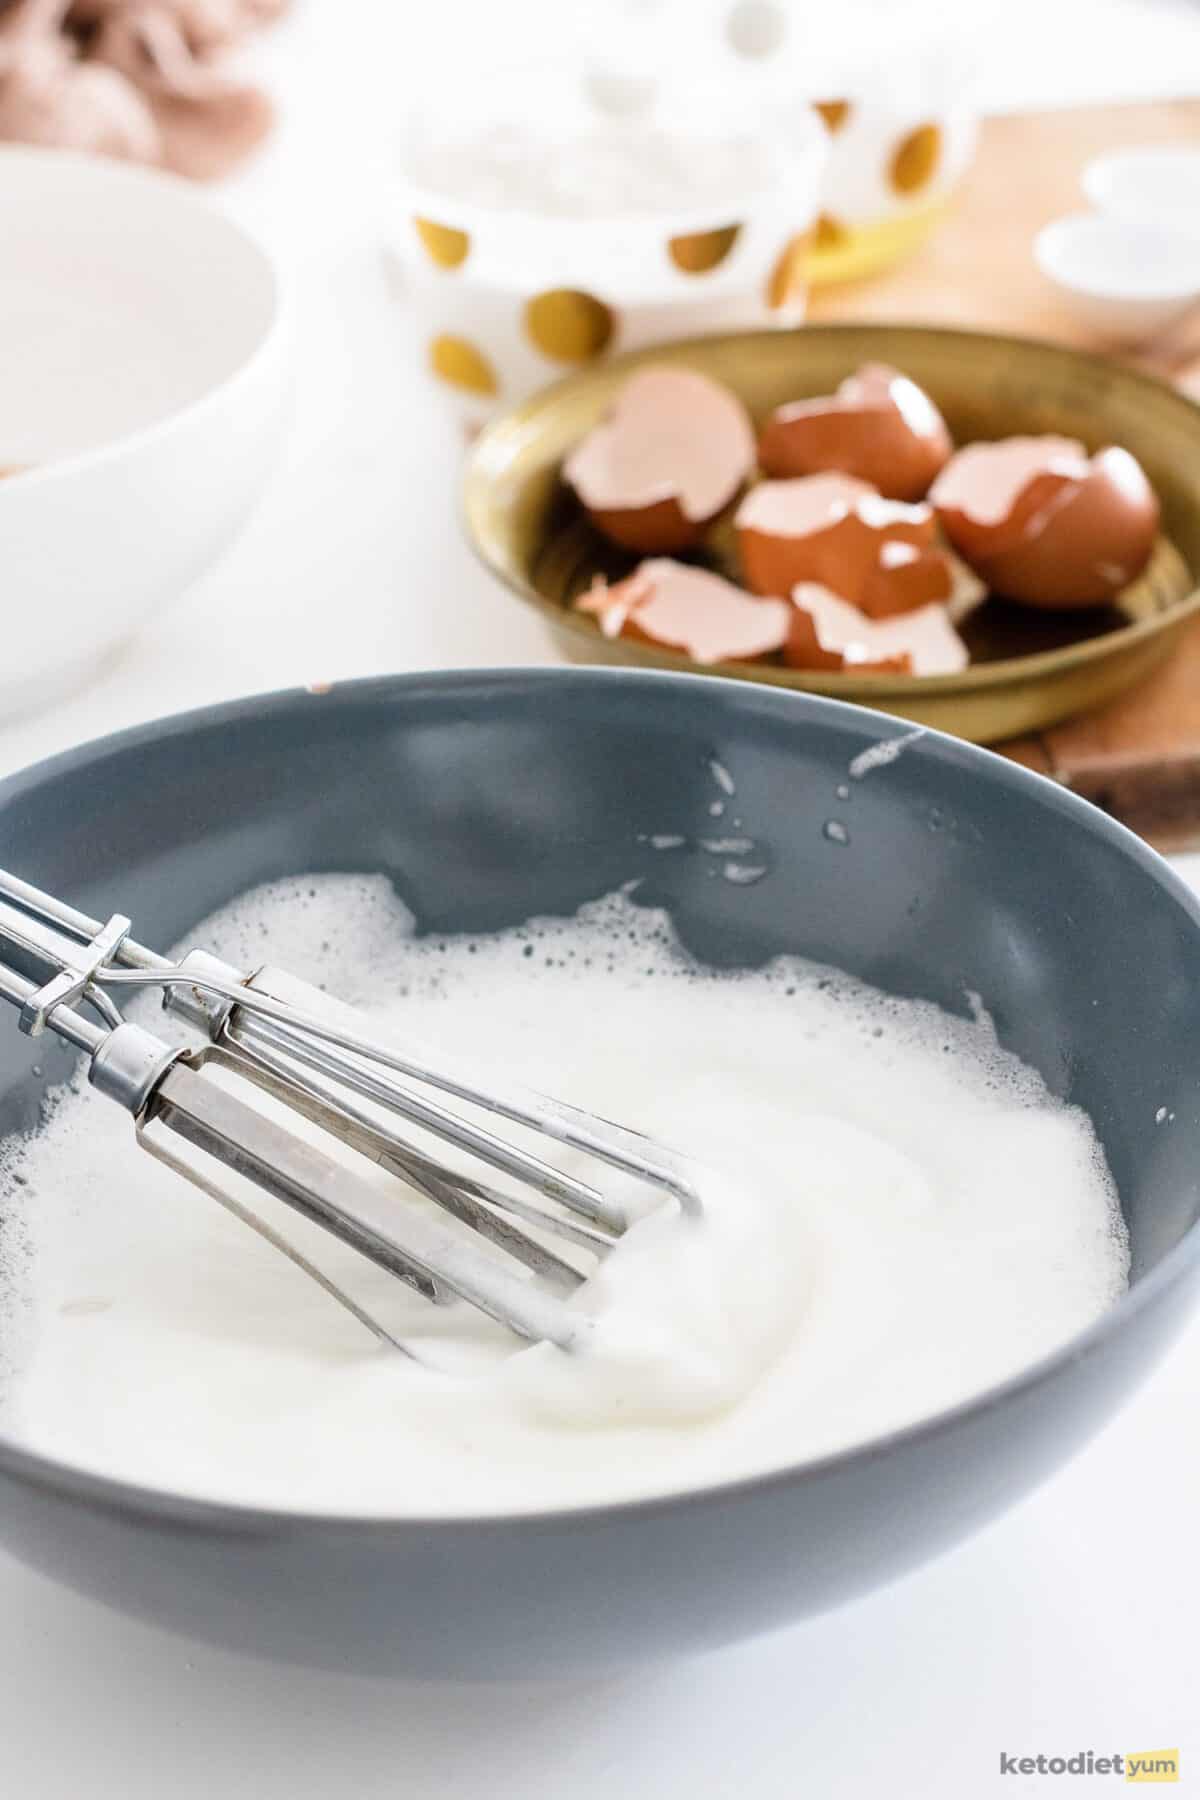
[672,453]
[878,426]
[677,607]
[989,493]
[1043,523]
[826,632]
[879,554]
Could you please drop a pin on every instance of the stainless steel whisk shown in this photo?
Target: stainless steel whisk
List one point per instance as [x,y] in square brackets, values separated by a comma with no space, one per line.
[509,1248]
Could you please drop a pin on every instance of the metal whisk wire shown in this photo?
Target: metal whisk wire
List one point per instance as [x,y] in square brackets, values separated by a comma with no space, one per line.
[289,1041]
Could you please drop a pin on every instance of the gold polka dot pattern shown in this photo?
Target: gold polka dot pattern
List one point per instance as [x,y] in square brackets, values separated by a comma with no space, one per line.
[568,325]
[458,361]
[789,278]
[829,233]
[835,113]
[445,244]
[915,160]
[699,251]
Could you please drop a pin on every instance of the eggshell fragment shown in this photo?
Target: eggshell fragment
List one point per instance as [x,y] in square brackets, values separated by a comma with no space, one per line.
[1042,522]
[905,578]
[879,426]
[828,633]
[671,454]
[681,608]
[879,554]
[988,495]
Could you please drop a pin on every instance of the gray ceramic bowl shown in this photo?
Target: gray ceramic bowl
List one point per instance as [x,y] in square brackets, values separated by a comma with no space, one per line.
[492,796]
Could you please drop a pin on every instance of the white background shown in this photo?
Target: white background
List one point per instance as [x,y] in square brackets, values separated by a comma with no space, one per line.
[1070,1624]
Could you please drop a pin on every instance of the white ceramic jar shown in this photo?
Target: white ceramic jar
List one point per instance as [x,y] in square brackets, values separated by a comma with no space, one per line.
[893,84]
[504,297]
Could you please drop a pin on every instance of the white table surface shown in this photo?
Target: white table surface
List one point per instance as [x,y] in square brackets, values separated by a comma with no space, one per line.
[1069,1624]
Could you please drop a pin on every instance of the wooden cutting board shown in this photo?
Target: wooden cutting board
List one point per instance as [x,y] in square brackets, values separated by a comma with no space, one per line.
[1140,757]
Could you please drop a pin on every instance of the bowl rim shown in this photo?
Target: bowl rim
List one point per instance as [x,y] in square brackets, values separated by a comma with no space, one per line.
[119,1496]
[775,197]
[1059,233]
[1145,161]
[486,457]
[274,331]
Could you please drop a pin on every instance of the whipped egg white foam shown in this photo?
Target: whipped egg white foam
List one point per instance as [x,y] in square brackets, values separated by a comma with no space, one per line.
[896,1215]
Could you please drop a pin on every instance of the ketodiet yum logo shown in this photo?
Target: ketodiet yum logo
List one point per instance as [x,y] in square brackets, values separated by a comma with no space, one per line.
[1128,1765]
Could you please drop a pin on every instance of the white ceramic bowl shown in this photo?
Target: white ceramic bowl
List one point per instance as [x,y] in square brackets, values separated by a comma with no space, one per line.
[143,394]
[1125,281]
[1149,185]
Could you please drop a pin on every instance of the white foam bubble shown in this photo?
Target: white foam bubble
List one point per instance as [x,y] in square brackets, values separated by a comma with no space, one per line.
[878,756]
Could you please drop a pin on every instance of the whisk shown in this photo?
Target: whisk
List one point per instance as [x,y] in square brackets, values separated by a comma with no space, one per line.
[507,1240]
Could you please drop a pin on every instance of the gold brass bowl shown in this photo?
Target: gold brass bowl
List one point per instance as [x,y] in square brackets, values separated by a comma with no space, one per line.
[1029,669]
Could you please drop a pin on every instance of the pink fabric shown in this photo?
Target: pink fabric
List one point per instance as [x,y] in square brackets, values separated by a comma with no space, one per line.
[140,79]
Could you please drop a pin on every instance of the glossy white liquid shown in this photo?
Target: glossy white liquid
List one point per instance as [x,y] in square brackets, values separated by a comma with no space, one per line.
[897,1216]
